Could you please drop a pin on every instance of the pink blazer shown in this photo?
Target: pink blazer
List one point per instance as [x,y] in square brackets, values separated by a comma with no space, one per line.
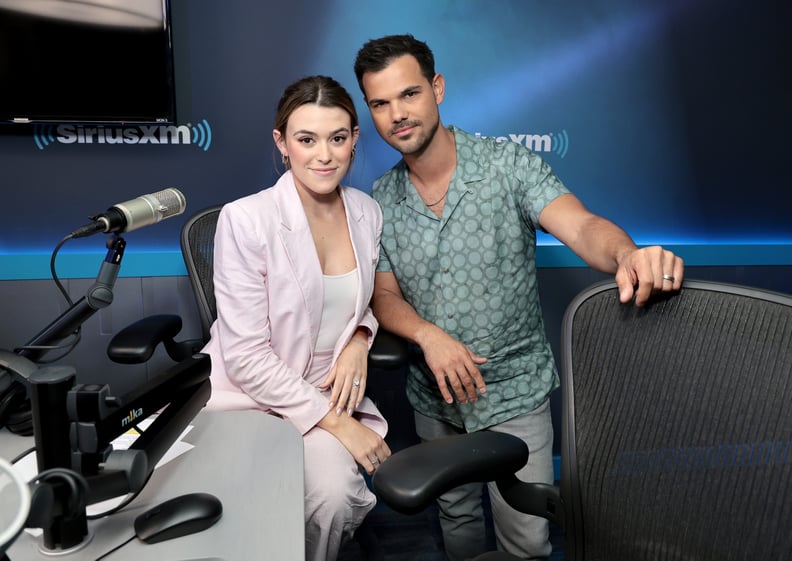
[269,290]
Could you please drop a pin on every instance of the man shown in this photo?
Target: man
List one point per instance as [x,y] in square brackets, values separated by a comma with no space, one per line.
[457,278]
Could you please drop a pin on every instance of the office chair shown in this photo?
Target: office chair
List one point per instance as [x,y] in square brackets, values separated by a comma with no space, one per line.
[676,431]
[136,343]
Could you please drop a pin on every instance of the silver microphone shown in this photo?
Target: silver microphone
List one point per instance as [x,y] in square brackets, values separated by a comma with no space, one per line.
[136,213]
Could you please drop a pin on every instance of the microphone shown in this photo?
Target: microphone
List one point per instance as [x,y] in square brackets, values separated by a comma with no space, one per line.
[134,214]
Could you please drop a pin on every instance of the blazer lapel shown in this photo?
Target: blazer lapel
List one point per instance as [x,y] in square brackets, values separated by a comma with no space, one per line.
[295,235]
[360,234]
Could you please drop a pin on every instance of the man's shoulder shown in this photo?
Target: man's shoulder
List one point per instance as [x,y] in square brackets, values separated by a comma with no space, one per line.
[488,145]
[495,153]
[391,184]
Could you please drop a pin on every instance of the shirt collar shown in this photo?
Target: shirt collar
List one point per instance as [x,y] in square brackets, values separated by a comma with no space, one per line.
[462,139]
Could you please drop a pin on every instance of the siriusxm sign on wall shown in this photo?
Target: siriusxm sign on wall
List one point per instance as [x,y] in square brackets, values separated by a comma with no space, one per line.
[543,143]
[635,104]
[199,135]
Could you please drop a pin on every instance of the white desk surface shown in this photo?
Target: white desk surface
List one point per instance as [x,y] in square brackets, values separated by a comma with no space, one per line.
[253,462]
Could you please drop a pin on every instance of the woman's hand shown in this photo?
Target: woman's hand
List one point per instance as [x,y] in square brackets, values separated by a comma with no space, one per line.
[366,446]
[348,377]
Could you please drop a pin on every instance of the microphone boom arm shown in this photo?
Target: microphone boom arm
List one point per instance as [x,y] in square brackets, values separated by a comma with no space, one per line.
[74,425]
[99,296]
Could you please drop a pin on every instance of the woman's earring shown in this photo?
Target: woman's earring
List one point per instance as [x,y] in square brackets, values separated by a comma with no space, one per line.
[353,152]
[285,159]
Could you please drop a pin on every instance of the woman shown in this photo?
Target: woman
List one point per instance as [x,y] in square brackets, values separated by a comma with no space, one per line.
[293,277]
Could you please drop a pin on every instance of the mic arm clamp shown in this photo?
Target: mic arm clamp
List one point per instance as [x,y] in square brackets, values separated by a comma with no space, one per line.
[74,426]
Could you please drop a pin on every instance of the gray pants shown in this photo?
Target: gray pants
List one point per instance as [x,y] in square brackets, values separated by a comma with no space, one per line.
[461,510]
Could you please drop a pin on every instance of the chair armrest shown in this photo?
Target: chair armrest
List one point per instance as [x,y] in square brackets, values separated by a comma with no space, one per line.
[387,351]
[538,499]
[135,343]
[412,478]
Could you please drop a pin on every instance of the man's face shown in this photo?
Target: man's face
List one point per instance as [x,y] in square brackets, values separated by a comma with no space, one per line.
[403,104]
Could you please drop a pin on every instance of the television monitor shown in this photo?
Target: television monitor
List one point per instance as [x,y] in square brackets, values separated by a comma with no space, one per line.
[87,61]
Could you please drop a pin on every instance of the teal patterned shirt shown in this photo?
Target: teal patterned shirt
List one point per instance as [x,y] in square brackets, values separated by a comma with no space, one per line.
[473,274]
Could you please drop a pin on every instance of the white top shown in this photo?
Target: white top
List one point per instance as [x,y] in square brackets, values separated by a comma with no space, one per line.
[340,294]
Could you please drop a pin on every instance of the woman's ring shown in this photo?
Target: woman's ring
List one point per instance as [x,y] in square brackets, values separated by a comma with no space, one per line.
[356,383]
[669,278]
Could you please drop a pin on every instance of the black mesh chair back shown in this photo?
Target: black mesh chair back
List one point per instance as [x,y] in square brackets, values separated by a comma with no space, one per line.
[677,430]
[197,244]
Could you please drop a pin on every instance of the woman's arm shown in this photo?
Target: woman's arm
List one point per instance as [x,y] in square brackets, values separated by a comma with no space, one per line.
[241,289]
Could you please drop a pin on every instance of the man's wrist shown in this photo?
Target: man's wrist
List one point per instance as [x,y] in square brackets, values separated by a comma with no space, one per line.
[623,255]
[424,332]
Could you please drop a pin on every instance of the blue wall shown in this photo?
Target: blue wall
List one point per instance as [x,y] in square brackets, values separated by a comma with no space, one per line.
[668,116]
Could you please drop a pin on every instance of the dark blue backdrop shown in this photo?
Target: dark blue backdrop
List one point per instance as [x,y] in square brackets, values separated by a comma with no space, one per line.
[668,116]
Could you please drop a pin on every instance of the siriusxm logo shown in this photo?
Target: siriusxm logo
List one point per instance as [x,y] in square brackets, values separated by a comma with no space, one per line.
[555,143]
[199,135]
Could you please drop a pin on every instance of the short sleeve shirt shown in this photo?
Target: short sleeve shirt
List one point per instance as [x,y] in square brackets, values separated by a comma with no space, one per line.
[472,273]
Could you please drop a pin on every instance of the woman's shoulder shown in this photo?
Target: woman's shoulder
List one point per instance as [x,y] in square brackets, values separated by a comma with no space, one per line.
[266,198]
[255,213]
[247,205]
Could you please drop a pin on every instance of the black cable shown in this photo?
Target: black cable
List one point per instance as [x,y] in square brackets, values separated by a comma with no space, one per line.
[68,347]
[55,274]
[72,479]
[116,548]
[131,497]
[113,510]
[74,476]
[23,454]
[70,344]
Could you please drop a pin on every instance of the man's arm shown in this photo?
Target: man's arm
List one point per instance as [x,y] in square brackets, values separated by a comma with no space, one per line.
[451,362]
[607,248]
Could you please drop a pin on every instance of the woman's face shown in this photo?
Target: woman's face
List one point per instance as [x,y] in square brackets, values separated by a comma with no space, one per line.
[319,142]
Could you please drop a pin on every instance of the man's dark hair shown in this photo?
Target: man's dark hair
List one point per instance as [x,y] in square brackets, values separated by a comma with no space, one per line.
[376,54]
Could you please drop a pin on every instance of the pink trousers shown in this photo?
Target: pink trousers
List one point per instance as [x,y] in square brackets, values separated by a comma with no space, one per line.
[336,496]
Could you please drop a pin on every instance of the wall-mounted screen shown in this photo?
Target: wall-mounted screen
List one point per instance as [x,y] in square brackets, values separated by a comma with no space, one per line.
[92,61]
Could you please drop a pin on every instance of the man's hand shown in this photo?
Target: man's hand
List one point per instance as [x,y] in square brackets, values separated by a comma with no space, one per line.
[452,364]
[607,248]
[646,271]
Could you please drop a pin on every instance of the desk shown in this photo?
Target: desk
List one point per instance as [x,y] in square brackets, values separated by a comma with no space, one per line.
[250,460]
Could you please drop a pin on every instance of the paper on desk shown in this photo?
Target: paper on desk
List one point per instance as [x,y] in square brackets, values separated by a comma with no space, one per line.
[28,467]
